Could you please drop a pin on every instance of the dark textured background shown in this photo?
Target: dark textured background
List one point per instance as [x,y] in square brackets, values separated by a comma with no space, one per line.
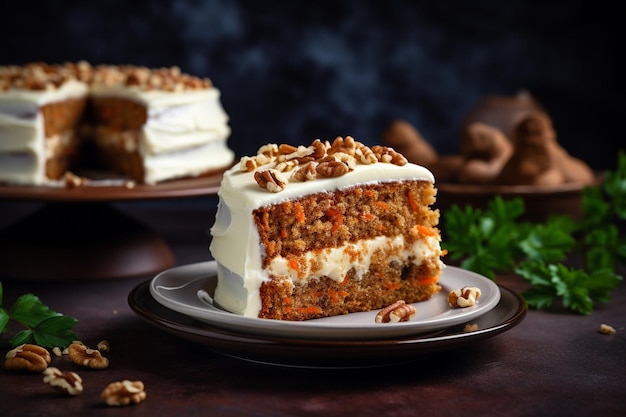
[292,71]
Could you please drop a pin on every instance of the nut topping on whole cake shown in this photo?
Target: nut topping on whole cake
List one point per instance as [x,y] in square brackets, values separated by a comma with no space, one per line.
[39,76]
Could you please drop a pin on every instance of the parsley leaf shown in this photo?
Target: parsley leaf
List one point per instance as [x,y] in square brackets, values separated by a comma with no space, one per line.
[549,242]
[483,240]
[29,310]
[4,320]
[55,331]
[576,288]
[496,240]
[44,327]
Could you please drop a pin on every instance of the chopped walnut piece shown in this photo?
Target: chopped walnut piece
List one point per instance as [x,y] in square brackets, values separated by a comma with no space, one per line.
[286,165]
[65,382]
[104,346]
[268,150]
[388,155]
[606,329]
[27,358]
[319,149]
[37,76]
[332,169]
[285,149]
[306,172]
[301,152]
[84,356]
[328,160]
[270,179]
[365,154]
[124,393]
[247,164]
[464,297]
[396,312]
[72,180]
[341,145]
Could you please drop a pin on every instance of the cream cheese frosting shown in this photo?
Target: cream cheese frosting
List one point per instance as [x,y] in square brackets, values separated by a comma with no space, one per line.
[185,133]
[23,150]
[240,272]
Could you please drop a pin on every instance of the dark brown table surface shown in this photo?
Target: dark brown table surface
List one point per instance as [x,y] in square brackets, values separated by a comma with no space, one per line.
[551,364]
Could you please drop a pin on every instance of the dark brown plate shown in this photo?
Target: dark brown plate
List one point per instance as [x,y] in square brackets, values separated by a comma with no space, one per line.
[187,187]
[305,353]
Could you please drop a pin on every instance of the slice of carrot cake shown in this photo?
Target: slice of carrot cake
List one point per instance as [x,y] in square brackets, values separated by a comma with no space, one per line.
[327,229]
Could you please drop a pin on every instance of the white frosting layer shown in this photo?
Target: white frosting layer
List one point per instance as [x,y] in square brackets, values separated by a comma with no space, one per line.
[176,120]
[240,273]
[185,134]
[242,296]
[186,162]
[22,142]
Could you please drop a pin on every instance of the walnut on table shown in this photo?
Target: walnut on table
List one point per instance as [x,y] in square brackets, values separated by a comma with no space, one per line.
[82,355]
[27,358]
[606,329]
[69,383]
[104,346]
[124,393]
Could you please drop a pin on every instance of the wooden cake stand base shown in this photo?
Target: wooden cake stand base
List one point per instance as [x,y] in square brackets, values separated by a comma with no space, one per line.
[81,241]
[78,235]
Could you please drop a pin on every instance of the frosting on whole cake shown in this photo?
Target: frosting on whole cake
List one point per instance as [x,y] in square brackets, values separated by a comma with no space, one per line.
[22,152]
[240,271]
[184,133]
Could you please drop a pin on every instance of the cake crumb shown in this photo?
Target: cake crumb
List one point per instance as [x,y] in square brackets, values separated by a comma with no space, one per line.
[606,329]
[72,180]
[470,327]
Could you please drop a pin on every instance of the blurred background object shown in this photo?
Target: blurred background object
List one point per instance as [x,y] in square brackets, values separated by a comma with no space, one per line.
[296,71]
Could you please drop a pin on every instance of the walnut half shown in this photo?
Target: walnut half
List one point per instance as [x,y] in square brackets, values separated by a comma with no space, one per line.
[271,180]
[396,312]
[65,382]
[124,393]
[27,357]
[464,297]
[84,356]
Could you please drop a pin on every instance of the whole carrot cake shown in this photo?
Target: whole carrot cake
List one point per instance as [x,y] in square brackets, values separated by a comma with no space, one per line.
[304,232]
[149,125]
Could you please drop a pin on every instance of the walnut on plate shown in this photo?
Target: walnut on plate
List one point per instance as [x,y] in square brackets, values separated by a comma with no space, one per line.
[396,312]
[464,297]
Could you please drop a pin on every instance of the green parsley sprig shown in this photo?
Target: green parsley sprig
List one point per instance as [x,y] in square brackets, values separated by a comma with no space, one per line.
[497,240]
[43,326]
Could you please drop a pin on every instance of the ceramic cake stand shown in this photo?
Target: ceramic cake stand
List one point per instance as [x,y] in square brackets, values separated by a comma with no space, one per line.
[78,235]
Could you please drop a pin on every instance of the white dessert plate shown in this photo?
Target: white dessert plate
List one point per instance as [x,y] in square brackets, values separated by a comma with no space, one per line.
[189,289]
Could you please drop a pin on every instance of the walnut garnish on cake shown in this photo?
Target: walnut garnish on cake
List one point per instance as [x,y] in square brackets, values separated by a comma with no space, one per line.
[318,160]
